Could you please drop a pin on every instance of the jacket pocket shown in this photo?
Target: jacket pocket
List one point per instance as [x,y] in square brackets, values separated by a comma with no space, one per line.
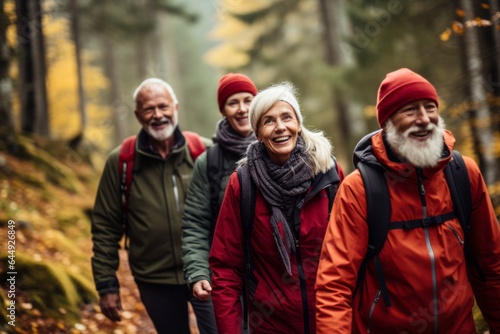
[457,235]
[372,309]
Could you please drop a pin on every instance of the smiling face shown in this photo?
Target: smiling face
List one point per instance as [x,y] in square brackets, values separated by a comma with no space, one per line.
[157,112]
[415,132]
[278,130]
[236,111]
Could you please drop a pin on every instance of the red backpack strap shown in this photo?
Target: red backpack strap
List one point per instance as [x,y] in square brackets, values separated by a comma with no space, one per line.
[195,144]
[125,169]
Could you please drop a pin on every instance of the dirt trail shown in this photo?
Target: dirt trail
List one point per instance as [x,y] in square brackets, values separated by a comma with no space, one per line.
[134,316]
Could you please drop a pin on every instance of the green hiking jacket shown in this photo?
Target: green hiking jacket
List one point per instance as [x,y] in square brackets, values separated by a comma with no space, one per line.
[197,219]
[156,204]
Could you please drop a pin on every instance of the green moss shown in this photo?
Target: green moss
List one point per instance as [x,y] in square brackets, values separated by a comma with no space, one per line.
[53,290]
[481,325]
[55,172]
[3,310]
[75,223]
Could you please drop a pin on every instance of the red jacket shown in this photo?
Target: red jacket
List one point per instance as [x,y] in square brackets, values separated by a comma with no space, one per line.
[424,268]
[281,303]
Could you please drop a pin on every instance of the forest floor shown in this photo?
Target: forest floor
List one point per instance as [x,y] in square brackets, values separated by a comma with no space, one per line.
[45,204]
[134,316]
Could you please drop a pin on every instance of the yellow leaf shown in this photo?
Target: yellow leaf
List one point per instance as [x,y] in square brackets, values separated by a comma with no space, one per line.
[445,35]
[460,12]
[485,5]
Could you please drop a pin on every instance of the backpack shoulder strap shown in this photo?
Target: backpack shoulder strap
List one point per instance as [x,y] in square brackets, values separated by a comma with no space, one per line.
[247,210]
[460,192]
[126,161]
[378,213]
[215,164]
[195,144]
[125,169]
[331,190]
[378,208]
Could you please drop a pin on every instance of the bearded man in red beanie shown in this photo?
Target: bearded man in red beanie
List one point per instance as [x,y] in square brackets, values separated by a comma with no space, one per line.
[404,270]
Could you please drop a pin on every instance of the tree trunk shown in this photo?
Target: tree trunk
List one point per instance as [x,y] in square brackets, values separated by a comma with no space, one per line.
[75,29]
[26,85]
[480,116]
[333,18]
[114,88]
[39,70]
[7,124]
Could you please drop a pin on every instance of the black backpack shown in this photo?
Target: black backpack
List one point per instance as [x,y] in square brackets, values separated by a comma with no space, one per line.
[247,211]
[215,172]
[379,213]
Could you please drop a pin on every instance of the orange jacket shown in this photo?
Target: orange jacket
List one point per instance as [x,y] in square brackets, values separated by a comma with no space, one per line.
[424,268]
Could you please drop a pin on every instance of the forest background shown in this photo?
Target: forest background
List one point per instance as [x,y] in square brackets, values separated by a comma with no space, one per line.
[68,69]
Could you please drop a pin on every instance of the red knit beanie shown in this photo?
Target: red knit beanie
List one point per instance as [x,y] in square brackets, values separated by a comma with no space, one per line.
[399,88]
[232,83]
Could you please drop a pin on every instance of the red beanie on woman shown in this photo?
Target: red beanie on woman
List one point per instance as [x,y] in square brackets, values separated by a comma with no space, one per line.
[399,88]
[232,83]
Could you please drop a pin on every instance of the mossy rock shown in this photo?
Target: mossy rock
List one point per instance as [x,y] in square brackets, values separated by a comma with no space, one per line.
[55,172]
[51,288]
[74,222]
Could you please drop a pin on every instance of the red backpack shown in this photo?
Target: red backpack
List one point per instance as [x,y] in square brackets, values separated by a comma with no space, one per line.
[126,163]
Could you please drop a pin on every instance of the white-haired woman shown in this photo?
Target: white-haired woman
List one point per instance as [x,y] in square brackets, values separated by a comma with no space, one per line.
[295,177]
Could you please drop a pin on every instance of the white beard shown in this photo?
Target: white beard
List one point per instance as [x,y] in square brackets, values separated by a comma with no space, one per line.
[163,134]
[419,154]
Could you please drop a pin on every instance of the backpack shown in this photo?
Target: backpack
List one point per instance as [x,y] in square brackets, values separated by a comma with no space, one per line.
[378,206]
[247,211]
[215,172]
[126,161]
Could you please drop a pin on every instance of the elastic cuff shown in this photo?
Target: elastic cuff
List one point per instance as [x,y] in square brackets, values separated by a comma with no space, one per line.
[110,286]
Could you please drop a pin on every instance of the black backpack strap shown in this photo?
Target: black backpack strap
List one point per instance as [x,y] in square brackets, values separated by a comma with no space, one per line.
[460,191]
[247,208]
[215,164]
[378,210]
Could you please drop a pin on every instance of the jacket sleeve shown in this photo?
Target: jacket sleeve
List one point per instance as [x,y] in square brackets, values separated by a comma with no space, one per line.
[227,263]
[196,225]
[343,250]
[107,229]
[484,240]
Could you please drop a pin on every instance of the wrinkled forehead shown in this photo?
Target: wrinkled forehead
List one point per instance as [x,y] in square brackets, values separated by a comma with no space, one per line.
[153,91]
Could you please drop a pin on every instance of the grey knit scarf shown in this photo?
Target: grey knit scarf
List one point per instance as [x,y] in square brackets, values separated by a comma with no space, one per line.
[281,186]
[230,140]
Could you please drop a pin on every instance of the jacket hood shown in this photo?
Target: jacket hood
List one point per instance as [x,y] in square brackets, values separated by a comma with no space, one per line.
[323,180]
[373,150]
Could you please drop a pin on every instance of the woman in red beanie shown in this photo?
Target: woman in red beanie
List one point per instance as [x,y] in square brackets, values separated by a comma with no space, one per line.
[211,173]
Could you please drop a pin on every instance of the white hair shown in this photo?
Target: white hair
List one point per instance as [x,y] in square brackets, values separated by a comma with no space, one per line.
[318,147]
[154,82]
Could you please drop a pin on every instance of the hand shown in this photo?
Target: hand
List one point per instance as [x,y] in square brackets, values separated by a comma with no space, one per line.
[111,306]
[202,290]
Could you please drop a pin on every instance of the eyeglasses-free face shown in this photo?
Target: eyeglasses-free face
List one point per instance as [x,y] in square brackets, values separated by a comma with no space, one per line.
[278,130]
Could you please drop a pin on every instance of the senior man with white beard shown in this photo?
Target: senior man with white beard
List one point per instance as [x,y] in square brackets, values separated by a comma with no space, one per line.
[161,160]
[429,286]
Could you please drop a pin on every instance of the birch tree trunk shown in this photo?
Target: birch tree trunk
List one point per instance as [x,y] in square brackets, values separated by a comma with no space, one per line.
[481,117]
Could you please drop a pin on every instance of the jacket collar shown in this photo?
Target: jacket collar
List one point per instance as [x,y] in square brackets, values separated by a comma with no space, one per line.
[374,150]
